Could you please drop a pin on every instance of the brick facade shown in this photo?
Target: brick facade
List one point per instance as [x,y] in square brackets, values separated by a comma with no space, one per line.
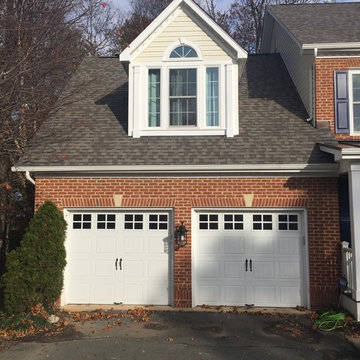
[324,77]
[318,195]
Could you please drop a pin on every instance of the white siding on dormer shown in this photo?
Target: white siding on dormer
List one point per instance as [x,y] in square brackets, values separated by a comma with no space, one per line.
[299,65]
[181,25]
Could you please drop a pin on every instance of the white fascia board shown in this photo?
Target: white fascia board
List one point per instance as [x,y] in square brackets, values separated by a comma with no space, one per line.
[185,169]
[342,154]
[321,46]
[126,54]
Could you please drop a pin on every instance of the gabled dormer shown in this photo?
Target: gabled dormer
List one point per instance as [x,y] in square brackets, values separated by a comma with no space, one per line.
[183,76]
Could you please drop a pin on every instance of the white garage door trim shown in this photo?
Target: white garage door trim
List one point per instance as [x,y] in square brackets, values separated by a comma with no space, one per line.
[68,212]
[304,251]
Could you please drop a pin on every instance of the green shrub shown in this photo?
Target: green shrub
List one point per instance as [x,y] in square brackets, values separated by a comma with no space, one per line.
[35,269]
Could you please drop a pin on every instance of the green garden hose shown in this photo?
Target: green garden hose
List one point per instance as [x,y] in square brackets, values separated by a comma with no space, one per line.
[330,321]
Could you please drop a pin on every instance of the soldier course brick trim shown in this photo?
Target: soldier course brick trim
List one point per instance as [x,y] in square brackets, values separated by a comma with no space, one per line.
[324,78]
[317,195]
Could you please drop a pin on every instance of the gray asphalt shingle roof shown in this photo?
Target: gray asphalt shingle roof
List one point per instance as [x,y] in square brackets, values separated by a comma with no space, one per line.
[92,128]
[321,23]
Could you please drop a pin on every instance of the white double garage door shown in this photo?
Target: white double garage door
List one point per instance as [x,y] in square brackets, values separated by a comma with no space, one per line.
[238,257]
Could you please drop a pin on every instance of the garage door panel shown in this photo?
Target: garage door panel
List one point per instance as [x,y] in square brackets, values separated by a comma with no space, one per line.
[234,269]
[235,295]
[290,270]
[155,294]
[271,244]
[82,242]
[265,295]
[158,244]
[96,240]
[133,269]
[133,244]
[210,244]
[263,270]
[134,293]
[234,244]
[263,245]
[105,244]
[80,292]
[104,267]
[80,268]
[103,291]
[209,269]
[290,295]
[289,245]
[156,269]
[209,295]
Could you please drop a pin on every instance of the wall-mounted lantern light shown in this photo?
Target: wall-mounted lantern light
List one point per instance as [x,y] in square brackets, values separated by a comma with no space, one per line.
[181,235]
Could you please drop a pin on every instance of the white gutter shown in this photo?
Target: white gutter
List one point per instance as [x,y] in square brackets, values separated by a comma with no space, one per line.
[183,169]
[321,46]
[28,177]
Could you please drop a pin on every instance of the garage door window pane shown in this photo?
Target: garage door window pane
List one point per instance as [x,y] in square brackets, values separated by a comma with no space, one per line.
[288,222]
[106,221]
[208,222]
[133,221]
[262,222]
[233,222]
[158,222]
[81,221]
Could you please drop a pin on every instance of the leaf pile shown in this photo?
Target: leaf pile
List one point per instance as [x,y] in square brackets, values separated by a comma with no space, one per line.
[139,314]
[97,315]
[24,324]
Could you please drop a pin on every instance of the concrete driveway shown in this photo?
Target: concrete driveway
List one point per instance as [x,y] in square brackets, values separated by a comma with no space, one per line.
[191,335]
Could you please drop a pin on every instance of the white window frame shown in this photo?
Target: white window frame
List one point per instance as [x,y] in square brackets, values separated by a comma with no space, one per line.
[200,97]
[351,101]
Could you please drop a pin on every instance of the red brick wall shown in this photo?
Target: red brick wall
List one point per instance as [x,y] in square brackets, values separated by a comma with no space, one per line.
[318,195]
[324,75]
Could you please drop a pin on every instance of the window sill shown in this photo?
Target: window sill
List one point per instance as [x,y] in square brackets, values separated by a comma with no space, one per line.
[182,132]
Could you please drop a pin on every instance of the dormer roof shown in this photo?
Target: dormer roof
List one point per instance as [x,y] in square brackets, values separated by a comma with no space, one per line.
[203,20]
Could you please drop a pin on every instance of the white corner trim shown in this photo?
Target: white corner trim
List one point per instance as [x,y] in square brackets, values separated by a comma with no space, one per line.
[322,169]
[127,53]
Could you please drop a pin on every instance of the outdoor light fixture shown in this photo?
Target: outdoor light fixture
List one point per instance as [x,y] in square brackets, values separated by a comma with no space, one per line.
[181,235]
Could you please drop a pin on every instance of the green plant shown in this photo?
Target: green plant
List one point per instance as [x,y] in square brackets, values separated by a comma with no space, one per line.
[35,269]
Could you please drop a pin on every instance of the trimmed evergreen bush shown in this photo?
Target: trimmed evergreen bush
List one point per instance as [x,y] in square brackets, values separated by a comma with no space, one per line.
[35,269]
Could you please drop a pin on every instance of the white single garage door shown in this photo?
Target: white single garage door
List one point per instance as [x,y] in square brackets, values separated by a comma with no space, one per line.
[248,258]
[118,257]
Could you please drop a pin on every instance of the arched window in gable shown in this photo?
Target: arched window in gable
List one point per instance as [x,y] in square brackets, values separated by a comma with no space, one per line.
[183,51]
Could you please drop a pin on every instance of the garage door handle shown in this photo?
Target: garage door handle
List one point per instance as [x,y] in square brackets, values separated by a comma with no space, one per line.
[246,264]
[120,264]
[116,261]
[251,265]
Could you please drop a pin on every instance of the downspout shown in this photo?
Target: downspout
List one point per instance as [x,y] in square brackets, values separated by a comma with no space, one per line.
[311,118]
[28,177]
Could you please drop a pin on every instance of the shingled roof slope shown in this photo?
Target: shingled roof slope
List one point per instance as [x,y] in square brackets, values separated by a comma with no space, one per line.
[91,130]
[321,23]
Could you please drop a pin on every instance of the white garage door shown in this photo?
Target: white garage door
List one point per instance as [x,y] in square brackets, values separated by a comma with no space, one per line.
[118,257]
[248,258]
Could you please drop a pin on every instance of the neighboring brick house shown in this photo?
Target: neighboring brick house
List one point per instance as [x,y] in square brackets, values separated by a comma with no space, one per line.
[320,46]
[187,127]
